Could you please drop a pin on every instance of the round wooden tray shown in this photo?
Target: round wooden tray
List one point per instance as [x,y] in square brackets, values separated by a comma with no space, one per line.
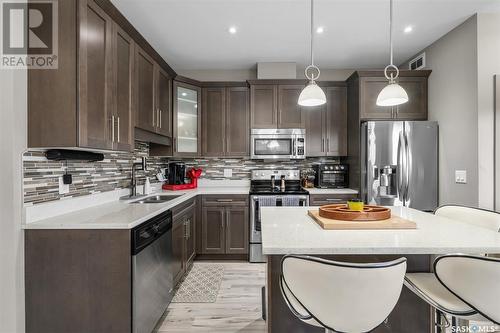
[342,212]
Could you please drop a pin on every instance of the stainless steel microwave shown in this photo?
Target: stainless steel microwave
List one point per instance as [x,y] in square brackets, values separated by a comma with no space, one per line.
[278,144]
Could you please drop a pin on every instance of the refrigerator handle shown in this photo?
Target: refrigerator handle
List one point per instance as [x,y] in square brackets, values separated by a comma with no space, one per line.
[407,166]
[400,168]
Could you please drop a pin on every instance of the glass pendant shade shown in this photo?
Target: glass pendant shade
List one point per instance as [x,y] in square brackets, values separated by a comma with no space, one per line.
[392,94]
[312,95]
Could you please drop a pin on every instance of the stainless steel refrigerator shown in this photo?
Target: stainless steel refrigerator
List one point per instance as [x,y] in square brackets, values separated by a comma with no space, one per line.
[399,163]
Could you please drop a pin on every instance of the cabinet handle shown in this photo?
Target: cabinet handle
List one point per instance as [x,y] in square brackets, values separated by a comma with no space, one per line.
[113,128]
[335,200]
[185,230]
[322,145]
[175,144]
[328,144]
[154,117]
[224,200]
[159,118]
[118,128]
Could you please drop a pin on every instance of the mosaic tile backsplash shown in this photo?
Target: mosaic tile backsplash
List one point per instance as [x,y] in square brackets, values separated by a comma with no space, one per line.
[41,176]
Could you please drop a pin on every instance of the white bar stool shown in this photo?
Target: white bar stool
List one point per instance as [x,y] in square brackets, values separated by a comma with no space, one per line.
[477,216]
[340,296]
[474,280]
[427,286]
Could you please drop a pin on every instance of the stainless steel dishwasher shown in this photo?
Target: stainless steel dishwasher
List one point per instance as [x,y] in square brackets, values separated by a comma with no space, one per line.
[152,280]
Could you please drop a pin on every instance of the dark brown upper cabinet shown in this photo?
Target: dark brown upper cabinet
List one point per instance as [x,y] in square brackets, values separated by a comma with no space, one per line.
[213,121]
[290,114]
[89,100]
[370,83]
[154,96]
[163,102]
[225,121]
[123,63]
[264,106]
[186,120]
[315,117]
[145,87]
[326,125]
[95,88]
[336,121]
[274,104]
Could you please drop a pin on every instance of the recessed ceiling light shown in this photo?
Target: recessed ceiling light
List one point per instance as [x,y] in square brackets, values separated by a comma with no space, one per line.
[232,30]
[184,94]
[320,30]
[408,29]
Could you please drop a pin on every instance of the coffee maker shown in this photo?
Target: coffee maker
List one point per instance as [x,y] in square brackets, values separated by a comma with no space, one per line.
[176,173]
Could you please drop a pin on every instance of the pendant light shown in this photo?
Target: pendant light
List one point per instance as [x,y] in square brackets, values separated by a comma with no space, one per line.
[393,94]
[312,94]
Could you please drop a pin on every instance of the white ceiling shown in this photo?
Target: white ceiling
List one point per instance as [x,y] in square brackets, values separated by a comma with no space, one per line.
[193,34]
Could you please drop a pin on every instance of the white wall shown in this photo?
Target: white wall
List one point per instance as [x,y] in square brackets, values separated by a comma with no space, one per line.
[453,104]
[12,143]
[488,53]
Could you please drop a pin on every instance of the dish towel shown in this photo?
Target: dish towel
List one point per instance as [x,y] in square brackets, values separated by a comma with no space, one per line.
[290,201]
[267,201]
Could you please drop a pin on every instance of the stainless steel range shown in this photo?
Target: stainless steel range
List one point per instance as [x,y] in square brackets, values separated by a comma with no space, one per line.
[272,188]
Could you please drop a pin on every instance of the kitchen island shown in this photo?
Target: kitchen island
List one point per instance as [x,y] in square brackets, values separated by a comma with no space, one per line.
[288,230]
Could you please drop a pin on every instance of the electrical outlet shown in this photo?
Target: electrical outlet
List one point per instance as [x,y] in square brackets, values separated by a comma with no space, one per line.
[63,188]
[228,173]
[461,176]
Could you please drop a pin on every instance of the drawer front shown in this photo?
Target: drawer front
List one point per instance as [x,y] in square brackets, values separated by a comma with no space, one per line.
[328,199]
[225,200]
[181,208]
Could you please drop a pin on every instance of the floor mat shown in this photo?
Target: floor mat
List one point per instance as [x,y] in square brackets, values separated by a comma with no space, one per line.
[200,285]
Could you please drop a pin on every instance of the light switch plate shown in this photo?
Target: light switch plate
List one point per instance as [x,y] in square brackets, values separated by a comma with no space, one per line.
[228,173]
[461,176]
[63,188]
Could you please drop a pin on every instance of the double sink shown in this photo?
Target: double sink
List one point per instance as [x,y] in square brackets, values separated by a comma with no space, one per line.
[159,198]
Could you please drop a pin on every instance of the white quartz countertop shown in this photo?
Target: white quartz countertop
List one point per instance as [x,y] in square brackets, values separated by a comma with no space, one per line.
[287,230]
[331,191]
[123,215]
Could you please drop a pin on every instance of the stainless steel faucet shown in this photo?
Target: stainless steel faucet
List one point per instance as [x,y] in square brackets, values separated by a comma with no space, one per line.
[137,166]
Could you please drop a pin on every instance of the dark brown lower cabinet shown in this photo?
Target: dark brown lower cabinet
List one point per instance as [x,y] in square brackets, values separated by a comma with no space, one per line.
[328,199]
[178,264]
[78,281]
[225,225]
[236,230]
[183,238]
[213,230]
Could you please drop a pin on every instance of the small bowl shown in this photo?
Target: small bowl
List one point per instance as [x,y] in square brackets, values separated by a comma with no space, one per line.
[356,205]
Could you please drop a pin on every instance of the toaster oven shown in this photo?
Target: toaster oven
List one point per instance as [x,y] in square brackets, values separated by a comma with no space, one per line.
[331,175]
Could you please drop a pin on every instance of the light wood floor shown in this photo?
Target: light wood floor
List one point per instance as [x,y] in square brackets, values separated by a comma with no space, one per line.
[237,309]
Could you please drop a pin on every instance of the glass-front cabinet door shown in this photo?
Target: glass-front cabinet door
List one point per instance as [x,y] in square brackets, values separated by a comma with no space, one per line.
[187,105]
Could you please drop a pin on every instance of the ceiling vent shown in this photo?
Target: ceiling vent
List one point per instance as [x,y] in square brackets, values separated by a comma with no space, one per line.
[418,62]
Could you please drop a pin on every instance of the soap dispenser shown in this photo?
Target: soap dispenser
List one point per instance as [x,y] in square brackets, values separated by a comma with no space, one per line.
[147,186]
